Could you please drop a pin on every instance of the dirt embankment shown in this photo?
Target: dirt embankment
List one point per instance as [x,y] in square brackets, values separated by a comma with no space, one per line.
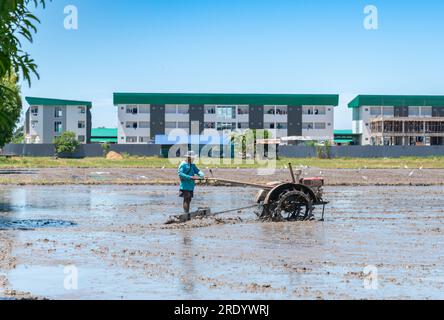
[333,177]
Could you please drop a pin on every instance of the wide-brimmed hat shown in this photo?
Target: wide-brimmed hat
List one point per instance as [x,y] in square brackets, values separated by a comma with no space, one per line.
[190,154]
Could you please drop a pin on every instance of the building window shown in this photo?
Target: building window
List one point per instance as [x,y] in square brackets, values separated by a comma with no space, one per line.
[144,124]
[81,125]
[242,110]
[34,124]
[319,111]
[144,109]
[307,125]
[282,126]
[81,139]
[209,125]
[183,125]
[144,139]
[131,125]
[226,112]
[221,126]
[210,109]
[320,126]
[307,110]
[131,139]
[375,111]
[35,111]
[243,125]
[58,113]
[171,109]
[269,110]
[177,109]
[170,125]
[131,109]
[276,110]
[281,110]
[413,111]
[426,111]
[82,110]
[183,109]
[270,125]
[388,111]
[58,127]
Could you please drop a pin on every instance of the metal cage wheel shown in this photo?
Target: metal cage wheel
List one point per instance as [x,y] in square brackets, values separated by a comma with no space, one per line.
[293,206]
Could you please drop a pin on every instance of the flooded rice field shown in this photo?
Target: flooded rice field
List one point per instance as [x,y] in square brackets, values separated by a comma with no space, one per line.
[110,242]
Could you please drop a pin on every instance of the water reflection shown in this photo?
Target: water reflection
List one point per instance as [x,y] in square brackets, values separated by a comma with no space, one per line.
[187,263]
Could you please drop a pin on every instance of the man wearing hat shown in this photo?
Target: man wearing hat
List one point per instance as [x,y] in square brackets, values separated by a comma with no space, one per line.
[188,174]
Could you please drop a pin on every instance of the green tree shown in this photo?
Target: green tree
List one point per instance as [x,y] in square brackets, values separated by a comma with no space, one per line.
[105,148]
[67,144]
[248,137]
[10,107]
[17,23]
[324,150]
[19,135]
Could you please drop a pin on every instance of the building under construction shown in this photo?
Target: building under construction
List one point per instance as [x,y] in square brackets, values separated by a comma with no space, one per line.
[398,120]
[407,131]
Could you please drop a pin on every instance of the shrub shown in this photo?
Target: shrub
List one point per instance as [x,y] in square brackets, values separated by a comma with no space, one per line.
[324,151]
[105,147]
[66,145]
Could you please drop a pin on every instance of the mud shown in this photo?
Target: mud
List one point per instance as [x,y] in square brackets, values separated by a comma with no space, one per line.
[134,176]
[122,249]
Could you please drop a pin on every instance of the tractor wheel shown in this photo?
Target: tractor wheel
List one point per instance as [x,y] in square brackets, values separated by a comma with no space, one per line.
[293,206]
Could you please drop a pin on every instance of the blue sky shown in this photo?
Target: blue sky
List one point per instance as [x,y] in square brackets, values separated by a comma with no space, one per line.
[237,46]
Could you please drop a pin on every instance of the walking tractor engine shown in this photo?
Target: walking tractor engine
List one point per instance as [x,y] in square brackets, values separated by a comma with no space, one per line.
[316,184]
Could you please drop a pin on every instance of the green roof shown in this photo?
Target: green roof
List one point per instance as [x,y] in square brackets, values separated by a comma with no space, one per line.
[103,133]
[396,101]
[56,102]
[224,98]
[343,132]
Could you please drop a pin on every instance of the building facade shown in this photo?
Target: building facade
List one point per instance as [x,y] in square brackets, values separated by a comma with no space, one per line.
[143,116]
[49,118]
[399,120]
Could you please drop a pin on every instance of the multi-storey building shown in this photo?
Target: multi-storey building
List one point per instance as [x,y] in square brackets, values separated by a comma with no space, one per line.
[398,120]
[143,116]
[49,118]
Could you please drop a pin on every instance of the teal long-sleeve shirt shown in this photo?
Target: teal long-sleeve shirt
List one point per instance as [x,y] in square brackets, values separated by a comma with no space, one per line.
[186,172]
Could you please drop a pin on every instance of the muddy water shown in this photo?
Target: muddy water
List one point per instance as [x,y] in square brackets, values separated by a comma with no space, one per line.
[115,238]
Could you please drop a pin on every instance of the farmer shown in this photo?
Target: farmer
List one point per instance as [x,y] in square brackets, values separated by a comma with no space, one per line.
[188,174]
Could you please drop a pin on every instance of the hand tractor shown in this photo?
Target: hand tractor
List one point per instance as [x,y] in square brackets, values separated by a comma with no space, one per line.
[275,201]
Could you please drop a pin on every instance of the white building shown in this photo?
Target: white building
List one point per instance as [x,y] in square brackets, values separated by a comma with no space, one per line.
[142,116]
[49,118]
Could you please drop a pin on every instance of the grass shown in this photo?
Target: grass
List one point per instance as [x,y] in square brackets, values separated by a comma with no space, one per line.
[155,162]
